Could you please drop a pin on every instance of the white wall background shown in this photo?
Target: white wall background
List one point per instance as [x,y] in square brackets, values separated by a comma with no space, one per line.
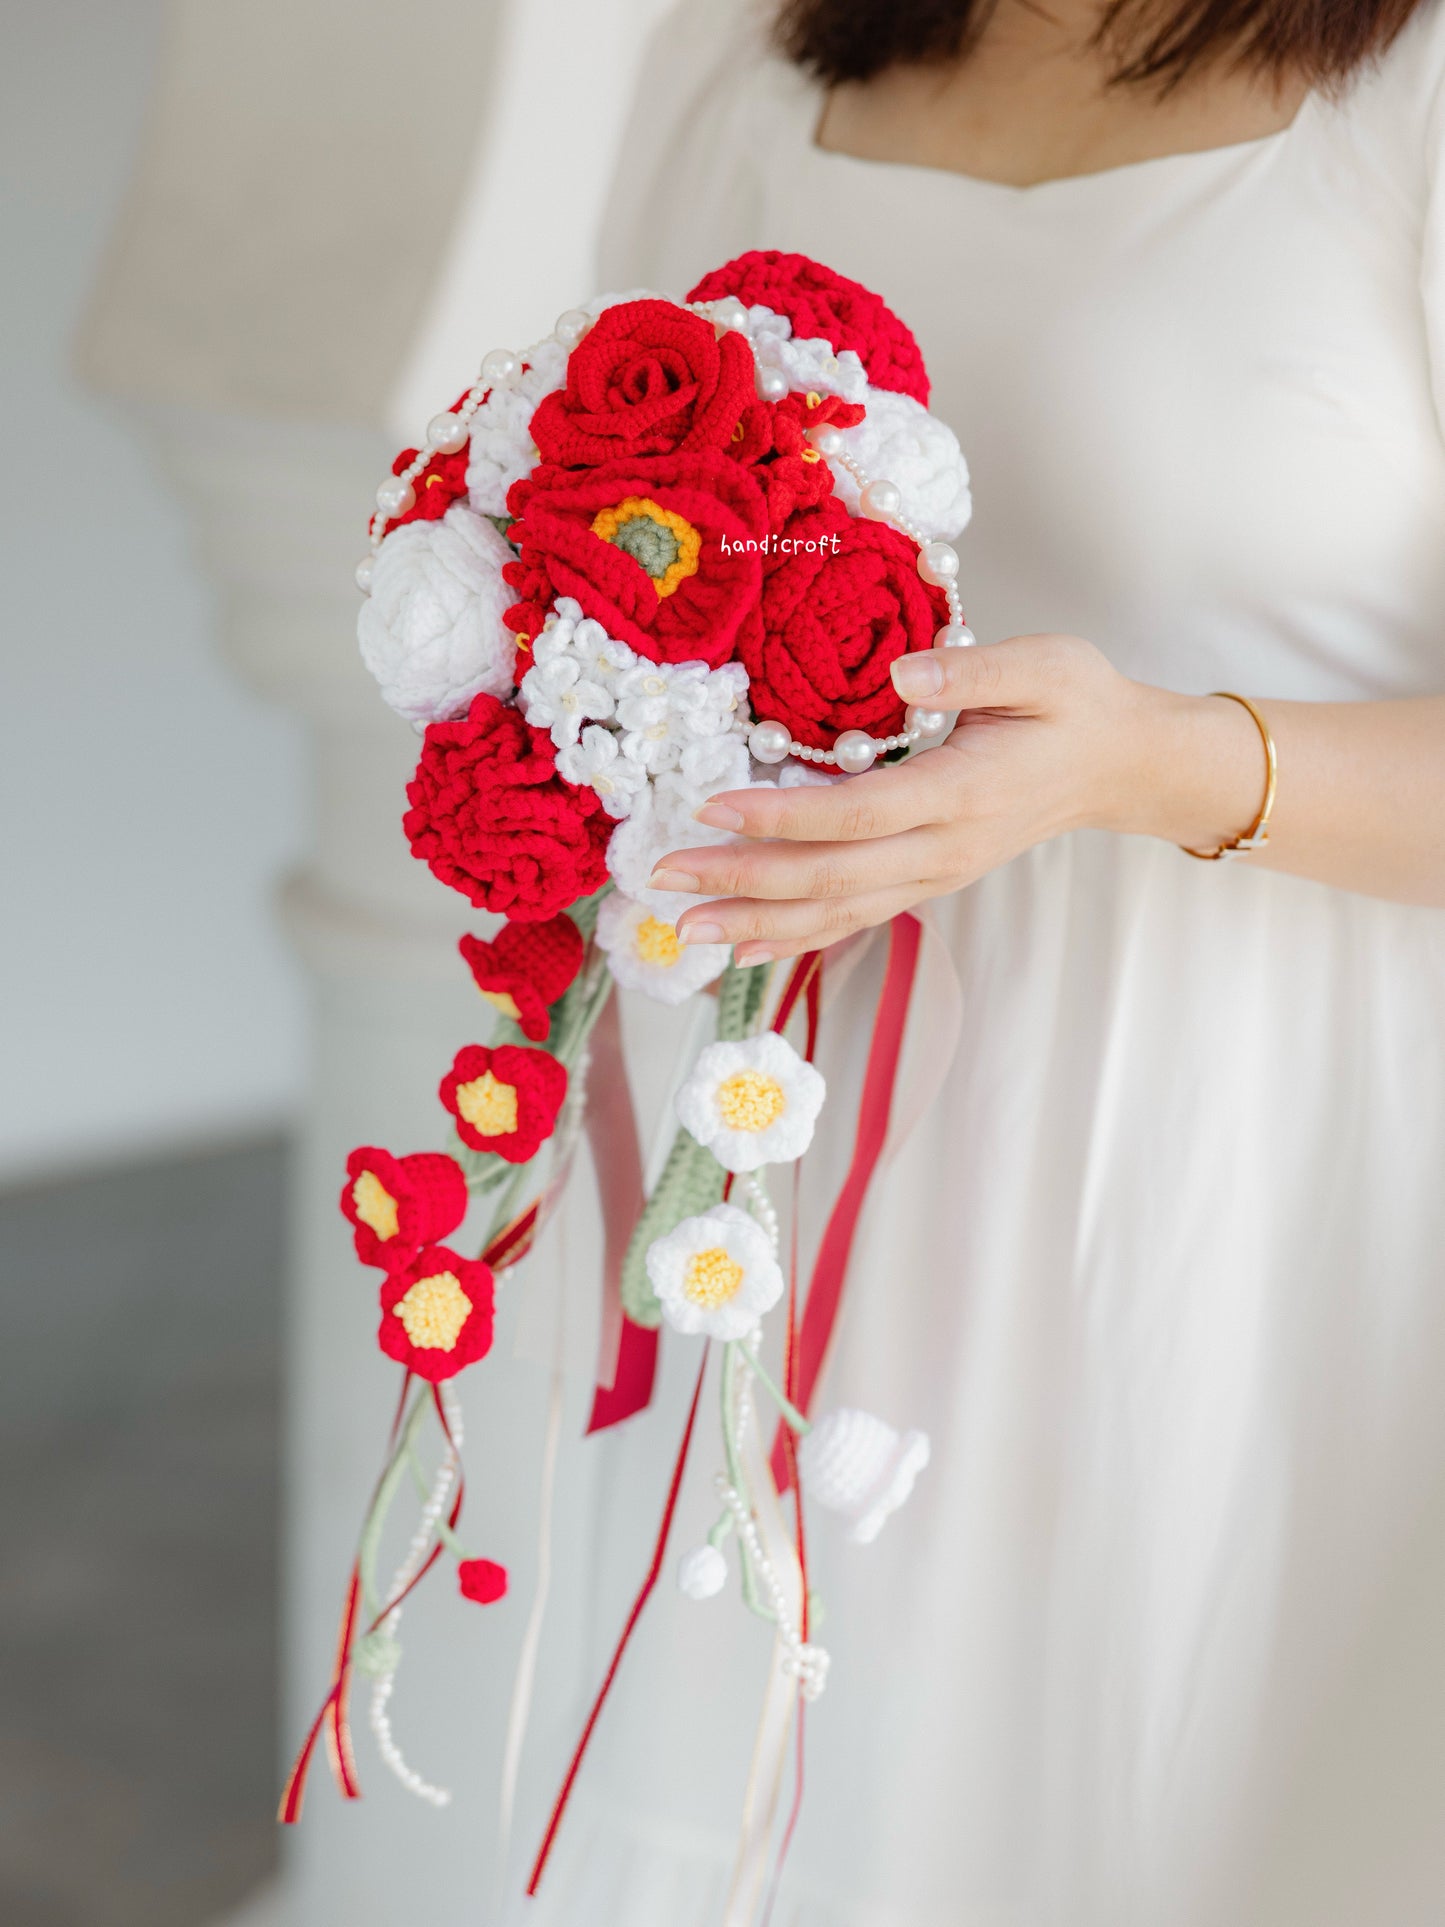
[147,801]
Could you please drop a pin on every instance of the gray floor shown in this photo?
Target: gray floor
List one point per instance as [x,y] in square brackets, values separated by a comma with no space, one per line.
[138,1523]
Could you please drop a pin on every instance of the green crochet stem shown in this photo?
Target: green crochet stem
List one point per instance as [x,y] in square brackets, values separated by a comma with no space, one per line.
[375,1522]
[792,1416]
[423,1491]
[692,1180]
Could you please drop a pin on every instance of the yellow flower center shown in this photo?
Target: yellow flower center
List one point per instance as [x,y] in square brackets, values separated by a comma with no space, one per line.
[490,1107]
[656,942]
[750,1101]
[662,542]
[504,1002]
[712,1278]
[375,1206]
[434,1311]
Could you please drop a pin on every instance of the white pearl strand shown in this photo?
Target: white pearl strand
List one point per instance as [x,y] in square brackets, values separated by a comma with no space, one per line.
[416,1552]
[803,1661]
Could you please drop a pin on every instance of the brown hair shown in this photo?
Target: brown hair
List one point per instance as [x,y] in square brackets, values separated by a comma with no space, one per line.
[1152,41]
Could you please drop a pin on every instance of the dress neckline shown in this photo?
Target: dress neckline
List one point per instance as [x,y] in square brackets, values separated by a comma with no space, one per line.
[1122,173]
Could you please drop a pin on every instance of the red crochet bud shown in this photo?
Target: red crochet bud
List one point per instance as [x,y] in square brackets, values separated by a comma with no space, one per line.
[482,1580]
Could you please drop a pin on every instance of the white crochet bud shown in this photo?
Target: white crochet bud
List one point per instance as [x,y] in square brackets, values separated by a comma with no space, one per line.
[702,1573]
[861,1468]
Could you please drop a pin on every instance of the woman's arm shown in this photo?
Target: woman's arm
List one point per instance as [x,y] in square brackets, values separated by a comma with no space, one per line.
[1052,738]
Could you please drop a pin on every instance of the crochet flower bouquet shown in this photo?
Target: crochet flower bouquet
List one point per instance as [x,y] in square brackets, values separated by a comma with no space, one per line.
[671,550]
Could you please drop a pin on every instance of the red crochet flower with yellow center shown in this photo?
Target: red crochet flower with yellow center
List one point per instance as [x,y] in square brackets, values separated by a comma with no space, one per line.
[796,475]
[525,968]
[663,551]
[436,1313]
[840,603]
[504,1100]
[442,482]
[648,378]
[492,818]
[396,1205]
[820,303]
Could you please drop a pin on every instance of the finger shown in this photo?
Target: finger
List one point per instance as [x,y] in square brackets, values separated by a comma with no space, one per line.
[804,921]
[783,869]
[883,802]
[1020,674]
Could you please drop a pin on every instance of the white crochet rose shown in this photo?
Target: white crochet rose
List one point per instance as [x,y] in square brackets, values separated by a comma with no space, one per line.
[715,1273]
[808,362]
[643,952]
[900,441]
[752,1101]
[431,631]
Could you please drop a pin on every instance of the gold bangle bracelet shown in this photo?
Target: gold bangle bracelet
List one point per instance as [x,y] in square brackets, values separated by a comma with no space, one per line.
[1257,835]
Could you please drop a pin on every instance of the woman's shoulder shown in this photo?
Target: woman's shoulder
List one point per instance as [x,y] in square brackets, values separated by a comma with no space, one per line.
[1394,108]
[711,94]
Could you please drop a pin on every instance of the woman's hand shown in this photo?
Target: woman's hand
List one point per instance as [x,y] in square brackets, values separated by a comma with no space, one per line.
[1050,737]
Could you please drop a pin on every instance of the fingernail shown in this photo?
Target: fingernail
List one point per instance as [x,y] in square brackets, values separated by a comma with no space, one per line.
[674,880]
[700,933]
[718,817]
[917,676]
[753,953]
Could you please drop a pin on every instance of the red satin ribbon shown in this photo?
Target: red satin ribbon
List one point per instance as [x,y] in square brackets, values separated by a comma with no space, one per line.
[659,1553]
[825,1292]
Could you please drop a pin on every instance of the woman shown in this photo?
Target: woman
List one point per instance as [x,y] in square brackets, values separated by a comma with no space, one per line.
[1162,1270]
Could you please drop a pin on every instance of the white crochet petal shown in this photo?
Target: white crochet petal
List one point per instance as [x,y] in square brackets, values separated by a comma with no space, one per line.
[432,630]
[899,441]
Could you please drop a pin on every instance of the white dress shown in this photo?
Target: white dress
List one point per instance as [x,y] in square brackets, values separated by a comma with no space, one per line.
[1160,1639]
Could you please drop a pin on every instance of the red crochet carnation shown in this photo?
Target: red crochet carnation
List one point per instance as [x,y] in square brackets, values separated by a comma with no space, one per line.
[641,545]
[493,819]
[819,302]
[396,1205]
[648,378]
[797,477]
[525,968]
[482,1580]
[436,1314]
[504,1100]
[834,617]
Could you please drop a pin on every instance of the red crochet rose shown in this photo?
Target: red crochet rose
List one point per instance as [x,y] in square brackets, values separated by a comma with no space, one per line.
[504,1100]
[819,302]
[482,1580]
[436,1314]
[662,551]
[834,617]
[493,819]
[648,378]
[525,968]
[396,1205]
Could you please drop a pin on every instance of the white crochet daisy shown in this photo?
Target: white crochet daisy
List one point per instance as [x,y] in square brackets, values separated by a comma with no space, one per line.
[752,1101]
[597,761]
[643,952]
[432,630]
[899,440]
[715,1273]
[601,658]
[557,696]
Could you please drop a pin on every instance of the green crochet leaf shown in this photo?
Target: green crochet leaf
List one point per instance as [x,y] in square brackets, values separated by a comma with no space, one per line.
[740,994]
[692,1180]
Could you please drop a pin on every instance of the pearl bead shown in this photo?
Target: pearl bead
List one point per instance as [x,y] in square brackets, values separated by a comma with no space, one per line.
[954,635]
[395,496]
[571,326]
[827,439]
[729,313]
[363,573]
[855,751]
[928,722]
[880,500]
[938,562]
[446,433]
[499,365]
[769,741]
[772,384]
